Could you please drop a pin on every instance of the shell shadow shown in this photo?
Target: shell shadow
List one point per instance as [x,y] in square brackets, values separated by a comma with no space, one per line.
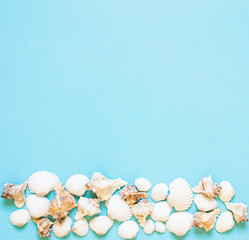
[202,231]
[8,202]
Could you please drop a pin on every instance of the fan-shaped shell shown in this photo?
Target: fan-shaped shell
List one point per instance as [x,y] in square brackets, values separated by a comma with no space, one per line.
[180,223]
[42,182]
[143,184]
[37,206]
[62,229]
[81,227]
[227,191]
[160,227]
[101,224]
[180,196]
[20,217]
[159,192]
[149,227]
[225,222]
[161,211]
[128,229]
[205,204]
[76,184]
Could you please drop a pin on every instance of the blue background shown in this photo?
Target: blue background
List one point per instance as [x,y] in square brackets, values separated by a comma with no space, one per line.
[129,88]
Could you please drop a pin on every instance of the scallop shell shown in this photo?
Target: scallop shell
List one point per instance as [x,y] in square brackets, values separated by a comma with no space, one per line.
[42,182]
[225,222]
[128,229]
[180,196]
[118,209]
[101,224]
[161,211]
[149,227]
[143,184]
[62,229]
[76,184]
[37,206]
[238,210]
[159,192]
[180,223]
[20,217]
[205,204]
[227,191]
[43,226]
[160,227]
[81,227]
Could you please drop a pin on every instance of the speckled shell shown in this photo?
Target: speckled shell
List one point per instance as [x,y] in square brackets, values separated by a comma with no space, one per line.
[62,229]
[225,222]
[81,227]
[128,229]
[159,192]
[160,227]
[161,211]
[227,191]
[205,204]
[149,227]
[142,184]
[20,217]
[101,224]
[76,184]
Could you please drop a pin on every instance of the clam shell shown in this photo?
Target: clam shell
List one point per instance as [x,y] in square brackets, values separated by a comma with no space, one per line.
[159,192]
[37,206]
[20,217]
[205,204]
[160,227]
[161,211]
[180,223]
[101,224]
[42,182]
[62,229]
[76,184]
[225,222]
[142,184]
[128,229]
[81,227]
[149,227]
[227,191]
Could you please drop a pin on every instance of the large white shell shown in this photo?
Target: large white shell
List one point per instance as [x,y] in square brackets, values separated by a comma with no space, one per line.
[205,204]
[161,211]
[128,229]
[118,209]
[149,227]
[160,227]
[159,192]
[37,206]
[180,196]
[76,184]
[42,182]
[225,222]
[62,229]
[20,217]
[143,184]
[180,223]
[101,224]
[81,227]
[227,191]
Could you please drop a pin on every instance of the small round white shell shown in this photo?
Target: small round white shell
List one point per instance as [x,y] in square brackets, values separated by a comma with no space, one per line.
[227,191]
[81,227]
[143,184]
[161,211]
[128,229]
[160,227]
[149,227]
[76,184]
[205,204]
[20,217]
[101,224]
[225,222]
[62,229]
[159,192]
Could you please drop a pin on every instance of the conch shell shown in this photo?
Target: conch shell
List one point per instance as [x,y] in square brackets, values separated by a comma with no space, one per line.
[61,205]
[43,226]
[131,194]
[206,220]
[16,192]
[238,210]
[104,187]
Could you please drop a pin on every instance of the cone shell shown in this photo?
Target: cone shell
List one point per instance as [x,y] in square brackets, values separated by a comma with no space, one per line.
[76,184]
[225,222]
[159,192]
[101,224]
[128,229]
[81,227]
[161,211]
[160,227]
[62,229]
[149,227]
[227,191]
[142,184]
[20,217]
[205,204]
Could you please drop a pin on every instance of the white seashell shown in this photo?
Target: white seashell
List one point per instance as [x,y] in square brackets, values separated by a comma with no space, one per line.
[180,196]
[101,224]
[161,211]
[149,227]
[227,191]
[239,211]
[160,227]
[128,229]
[225,222]
[76,184]
[20,217]
[81,227]
[118,209]
[143,184]
[180,223]
[205,204]
[37,206]
[159,192]
[42,182]
[62,229]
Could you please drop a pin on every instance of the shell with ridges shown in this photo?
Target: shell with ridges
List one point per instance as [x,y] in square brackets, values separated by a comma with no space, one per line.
[159,192]
[160,227]
[142,184]
[149,227]
[128,229]
[205,204]
[238,210]
[101,224]
[20,217]
[43,226]
[76,184]
[227,191]
[225,222]
[62,229]
[81,227]
[161,211]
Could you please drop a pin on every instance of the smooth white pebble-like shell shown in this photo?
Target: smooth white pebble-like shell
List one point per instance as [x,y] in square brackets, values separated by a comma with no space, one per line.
[62,229]
[142,184]
[159,192]
[128,229]
[160,227]
[80,227]
[101,224]
[205,204]
[161,211]
[20,217]
[149,226]
[227,191]
[225,222]
[76,184]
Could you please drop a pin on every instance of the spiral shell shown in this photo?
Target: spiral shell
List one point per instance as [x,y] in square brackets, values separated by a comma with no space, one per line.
[159,192]
[20,217]
[128,229]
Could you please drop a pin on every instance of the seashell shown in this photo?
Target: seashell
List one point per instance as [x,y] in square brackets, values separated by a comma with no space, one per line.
[20,217]
[160,227]
[37,206]
[161,211]
[131,195]
[238,210]
[87,207]
[142,210]
[180,196]
[76,184]
[180,223]
[43,226]
[225,222]
[81,227]
[16,192]
[149,227]
[104,187]
[159,192]
[227,191]
[142,184]
[128,229]
[101,224]
[205,204]
[207,187]
[42,182]
[118,209]
[206,220]
[62,229]
[62,203]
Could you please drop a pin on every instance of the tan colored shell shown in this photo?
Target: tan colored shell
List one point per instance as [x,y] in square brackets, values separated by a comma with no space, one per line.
[238,210]
[43,226]
[16,192]
[206,220]
[131,194]
[62,203]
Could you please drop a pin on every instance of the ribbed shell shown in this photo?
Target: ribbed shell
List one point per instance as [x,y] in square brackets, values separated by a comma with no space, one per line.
[149,227]
[101,224]
[128,229]
[20,217]
[62,229]
[81,227]
[205,204]
[161,211]
[160,227]
[159,192]
[142,184]
[76,184]
[225,222]
[227,191]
